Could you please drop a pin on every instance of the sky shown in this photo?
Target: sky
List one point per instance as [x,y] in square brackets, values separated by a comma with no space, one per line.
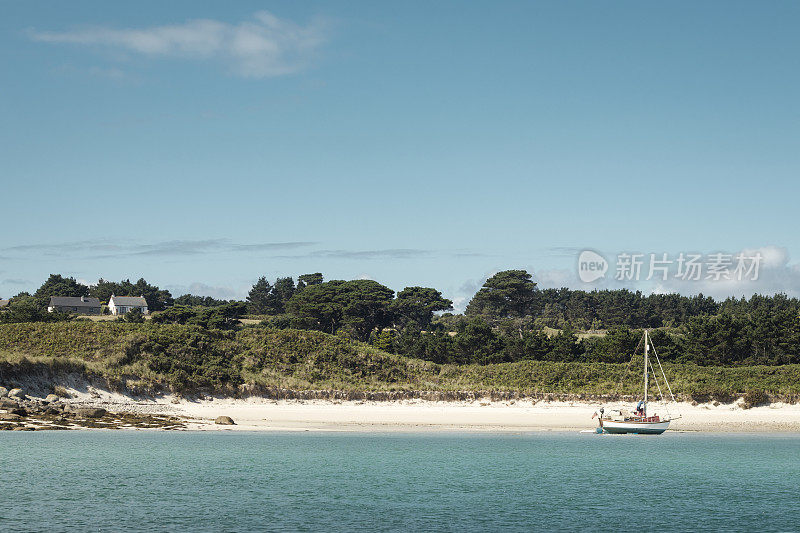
[201,145]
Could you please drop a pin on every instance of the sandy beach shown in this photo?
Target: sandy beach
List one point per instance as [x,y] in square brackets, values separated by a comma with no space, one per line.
[261,414]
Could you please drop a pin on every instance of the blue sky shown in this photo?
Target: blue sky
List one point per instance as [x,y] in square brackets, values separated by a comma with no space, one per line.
[203,144]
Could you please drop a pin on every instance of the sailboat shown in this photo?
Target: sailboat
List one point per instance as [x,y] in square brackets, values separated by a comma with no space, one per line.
[640,422]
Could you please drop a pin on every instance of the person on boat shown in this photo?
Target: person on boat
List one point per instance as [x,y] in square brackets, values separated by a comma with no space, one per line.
[640,408]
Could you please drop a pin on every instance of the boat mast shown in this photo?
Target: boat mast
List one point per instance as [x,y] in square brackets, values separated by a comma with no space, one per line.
[646,373]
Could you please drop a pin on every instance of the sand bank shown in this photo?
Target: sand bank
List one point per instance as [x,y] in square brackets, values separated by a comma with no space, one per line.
[262,414]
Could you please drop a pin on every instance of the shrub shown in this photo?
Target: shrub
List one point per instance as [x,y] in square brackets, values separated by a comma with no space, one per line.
[134,316]
[754,398]
[707,395]
[190,357]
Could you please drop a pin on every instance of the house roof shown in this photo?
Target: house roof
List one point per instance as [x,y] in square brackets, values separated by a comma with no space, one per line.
[3,303]
[74,301]
[129,301]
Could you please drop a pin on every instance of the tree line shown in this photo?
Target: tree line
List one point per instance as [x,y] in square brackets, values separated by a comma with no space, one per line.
[508,319]
[358,308]
[512,294]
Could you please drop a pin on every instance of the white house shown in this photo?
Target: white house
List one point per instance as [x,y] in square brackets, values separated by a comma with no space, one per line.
[119,305]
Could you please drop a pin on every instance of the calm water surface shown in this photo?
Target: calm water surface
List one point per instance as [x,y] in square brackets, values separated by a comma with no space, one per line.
[183,481]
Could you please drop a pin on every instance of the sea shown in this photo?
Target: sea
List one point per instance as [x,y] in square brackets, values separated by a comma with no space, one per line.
[327,481]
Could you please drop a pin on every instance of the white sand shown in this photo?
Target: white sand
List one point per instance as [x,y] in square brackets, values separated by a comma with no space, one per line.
[416,415]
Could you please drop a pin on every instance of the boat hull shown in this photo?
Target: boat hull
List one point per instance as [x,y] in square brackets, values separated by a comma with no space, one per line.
[640,428]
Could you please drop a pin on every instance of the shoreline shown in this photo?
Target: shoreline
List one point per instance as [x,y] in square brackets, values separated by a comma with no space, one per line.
[262,414]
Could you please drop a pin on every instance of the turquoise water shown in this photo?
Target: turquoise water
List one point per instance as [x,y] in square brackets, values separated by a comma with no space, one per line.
[184,481]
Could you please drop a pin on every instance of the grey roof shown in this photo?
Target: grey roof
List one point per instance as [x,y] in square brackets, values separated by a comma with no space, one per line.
[130,301]
[74,301]
[3,303]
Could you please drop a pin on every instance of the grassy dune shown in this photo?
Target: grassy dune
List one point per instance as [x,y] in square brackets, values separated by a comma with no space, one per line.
[148,357]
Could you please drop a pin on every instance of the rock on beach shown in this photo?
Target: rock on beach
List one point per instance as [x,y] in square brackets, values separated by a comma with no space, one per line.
[89,412]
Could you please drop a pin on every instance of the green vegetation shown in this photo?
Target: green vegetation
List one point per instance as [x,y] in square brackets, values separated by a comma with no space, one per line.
[304,280]
[134,316]
[509,319]
[361,306]
[26,308]
[186,358]
[510,293]
[223,317]
[415,306]
[755,397]
[57,285]
[268,299]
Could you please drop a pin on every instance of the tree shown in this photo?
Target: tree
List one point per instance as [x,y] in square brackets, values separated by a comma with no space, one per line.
[476,342]
[305,280]
[617,346]
[157,299]
[219,317]
[26,308]
[267,299]
[199,301]
[506,294]
[261,300]
[283,290]
[104,289]
[177,314]
[359,305]
[367,306]
[417,305]
[322,304]
[57,285]
[566,346]
[536,345]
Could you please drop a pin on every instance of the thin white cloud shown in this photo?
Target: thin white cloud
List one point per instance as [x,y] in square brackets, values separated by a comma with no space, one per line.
[265,46]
